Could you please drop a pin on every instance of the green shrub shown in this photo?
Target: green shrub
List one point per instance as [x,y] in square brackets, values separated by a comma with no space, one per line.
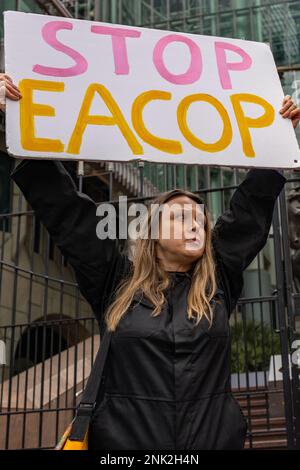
[252,346]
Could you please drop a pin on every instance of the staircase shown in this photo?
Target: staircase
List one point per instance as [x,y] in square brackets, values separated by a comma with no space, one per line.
[54,7]
[81,9]
[128,176]
[263,432]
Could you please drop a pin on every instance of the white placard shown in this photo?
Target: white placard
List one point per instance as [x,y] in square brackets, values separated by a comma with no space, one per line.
[98,91]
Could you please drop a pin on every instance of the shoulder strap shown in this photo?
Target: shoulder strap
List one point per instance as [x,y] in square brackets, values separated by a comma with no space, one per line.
[88,401]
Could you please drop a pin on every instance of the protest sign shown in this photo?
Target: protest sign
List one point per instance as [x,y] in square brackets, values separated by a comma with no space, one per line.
[98,91]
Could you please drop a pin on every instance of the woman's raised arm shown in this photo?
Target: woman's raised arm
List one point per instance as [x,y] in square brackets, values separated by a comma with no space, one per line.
[70,218]
[242,231]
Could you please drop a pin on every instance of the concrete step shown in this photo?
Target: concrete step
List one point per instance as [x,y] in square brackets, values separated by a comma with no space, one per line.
[256,412]
[263,432]
[253,403]
[265,423]
[267,444]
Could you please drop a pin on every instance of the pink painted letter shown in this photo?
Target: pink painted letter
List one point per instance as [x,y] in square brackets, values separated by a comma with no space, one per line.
[224,66]
[49,35]
[194,71]
[118,36]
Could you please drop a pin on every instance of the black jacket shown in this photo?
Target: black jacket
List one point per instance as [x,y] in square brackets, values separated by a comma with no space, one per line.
[167,382]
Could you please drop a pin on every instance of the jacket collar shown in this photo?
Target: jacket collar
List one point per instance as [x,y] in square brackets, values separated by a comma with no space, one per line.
[139,296]
[181,274]
[176,276]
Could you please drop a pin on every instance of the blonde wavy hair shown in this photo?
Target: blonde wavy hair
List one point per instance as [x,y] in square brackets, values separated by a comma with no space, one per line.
[148,276]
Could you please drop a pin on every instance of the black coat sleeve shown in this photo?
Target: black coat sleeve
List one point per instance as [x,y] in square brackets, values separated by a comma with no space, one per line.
[70,218]
[242,231]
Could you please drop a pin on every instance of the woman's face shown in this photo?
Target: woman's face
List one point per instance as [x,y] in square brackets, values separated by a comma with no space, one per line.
[181,231]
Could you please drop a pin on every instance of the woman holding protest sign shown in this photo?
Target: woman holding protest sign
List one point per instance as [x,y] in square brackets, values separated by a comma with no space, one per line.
[167,373]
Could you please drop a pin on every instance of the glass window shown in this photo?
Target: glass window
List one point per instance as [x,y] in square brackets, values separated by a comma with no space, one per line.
[179,176]
[225,5]
[209,25]
[210,6]
[226,25]
[5,5]
[176,8]
[215,182]
[29,6]
[290,82]
[243,25]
